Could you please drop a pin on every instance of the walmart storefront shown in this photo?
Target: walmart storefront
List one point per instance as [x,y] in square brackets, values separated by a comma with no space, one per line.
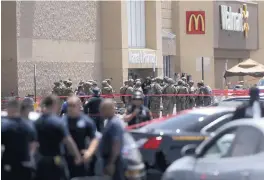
[235,36]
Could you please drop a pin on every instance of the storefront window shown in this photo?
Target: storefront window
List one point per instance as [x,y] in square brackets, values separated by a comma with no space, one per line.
[166,65]
[136,23]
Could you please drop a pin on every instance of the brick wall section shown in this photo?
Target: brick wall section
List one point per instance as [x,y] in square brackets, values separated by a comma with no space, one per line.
[62,39]
[166,15]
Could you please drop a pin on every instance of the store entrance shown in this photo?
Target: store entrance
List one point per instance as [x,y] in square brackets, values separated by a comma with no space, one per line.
[141,73]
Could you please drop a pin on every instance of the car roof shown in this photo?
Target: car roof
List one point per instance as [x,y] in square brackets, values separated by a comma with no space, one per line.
[212,110]
[258,123]
[242,97]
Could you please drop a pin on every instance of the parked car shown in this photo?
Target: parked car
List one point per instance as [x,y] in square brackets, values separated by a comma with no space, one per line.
[160,143]
[235,101]
[235,151]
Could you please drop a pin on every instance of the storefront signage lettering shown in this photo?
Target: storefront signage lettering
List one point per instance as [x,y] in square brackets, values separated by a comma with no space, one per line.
[234,21]
[142,57]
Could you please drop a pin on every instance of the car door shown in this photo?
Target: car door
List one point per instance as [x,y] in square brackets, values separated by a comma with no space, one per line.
[230,155]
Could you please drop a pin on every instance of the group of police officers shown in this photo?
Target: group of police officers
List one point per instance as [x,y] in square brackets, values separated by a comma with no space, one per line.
[167,92]
[159,92]
[58,148]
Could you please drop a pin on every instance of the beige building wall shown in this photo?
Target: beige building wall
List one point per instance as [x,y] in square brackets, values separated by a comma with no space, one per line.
[166,15]
[8,49]
[84,40]
[62,39]
[190,47]
[259,54]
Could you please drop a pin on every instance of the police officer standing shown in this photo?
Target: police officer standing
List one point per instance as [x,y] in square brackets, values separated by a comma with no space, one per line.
[252,109]
[137,112]
[52,132]
[18,144]
[111,144]
[92,108]
[80,127]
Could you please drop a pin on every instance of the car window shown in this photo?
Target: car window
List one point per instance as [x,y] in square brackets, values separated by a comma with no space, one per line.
[247,141]
[221,145]
[221,121]
[185,122]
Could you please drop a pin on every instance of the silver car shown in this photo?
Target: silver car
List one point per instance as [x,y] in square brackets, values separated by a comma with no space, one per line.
[235,151]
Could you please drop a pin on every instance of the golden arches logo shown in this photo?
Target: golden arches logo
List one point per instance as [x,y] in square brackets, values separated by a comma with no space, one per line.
[196,22]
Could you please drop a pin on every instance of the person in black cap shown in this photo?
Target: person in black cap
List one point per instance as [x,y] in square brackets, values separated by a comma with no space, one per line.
[92,108]
[251,109]
[137,112]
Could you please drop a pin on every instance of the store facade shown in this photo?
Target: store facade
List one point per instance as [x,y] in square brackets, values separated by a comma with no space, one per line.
[236,34]
[124,39]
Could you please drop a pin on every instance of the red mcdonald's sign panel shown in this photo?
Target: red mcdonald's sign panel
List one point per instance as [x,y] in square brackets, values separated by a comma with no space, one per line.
[195,22]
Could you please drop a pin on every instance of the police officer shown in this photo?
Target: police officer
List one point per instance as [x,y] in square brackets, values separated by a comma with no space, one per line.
[111,143]
[92,108]
[27,106]
[252,109]
[80,127]
[137,112]
[18,144]
[52,132]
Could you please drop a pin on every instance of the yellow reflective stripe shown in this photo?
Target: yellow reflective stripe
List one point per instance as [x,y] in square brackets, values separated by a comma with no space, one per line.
[188,138]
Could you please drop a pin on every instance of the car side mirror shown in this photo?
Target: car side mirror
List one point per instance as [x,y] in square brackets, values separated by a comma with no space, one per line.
[188,150]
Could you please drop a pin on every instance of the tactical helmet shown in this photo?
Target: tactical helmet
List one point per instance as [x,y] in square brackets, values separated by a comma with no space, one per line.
[137,95]
[201,83]
[180,82]
[96,91]
[184,79]
[56,83]
[138,83]
[158,79]
[94,83]
[87,84]
[170,81]
[104,83]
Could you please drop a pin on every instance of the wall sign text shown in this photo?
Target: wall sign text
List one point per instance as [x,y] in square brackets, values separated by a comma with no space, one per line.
[141,57]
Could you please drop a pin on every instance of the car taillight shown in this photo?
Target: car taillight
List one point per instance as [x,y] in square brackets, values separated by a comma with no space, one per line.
[153,143]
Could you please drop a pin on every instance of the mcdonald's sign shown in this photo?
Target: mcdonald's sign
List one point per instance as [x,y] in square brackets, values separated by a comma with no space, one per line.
[195,22]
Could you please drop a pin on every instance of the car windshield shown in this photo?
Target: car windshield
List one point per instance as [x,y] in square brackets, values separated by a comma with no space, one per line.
[187,122]
[261,82]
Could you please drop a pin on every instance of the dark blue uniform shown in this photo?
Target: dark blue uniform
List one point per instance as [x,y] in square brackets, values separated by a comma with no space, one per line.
[51,131]
[113,131]
[80,128]
[16,136]
[142,116]
[92,109]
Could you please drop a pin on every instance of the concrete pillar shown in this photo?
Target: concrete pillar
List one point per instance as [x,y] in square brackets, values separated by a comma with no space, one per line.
[114,41]
[154,31]
[9,49]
